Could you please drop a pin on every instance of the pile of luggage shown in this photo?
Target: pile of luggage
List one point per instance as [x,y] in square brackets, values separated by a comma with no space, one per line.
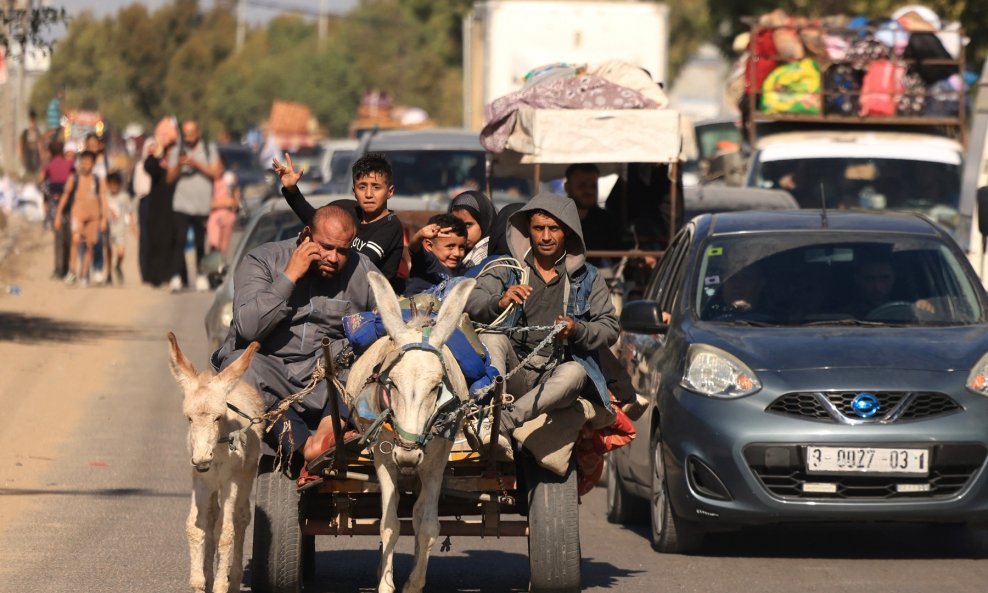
[905,65]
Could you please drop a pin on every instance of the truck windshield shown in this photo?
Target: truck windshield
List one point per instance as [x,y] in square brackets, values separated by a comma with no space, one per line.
[809,278]
[931,188]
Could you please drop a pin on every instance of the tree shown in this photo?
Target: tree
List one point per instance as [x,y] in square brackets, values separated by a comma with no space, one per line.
[28,27]
[412,50]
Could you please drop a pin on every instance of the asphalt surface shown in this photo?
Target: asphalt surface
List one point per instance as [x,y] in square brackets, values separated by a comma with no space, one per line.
[105,511]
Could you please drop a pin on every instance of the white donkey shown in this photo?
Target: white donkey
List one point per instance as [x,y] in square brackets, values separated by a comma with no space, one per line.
[224,448]
[413,375]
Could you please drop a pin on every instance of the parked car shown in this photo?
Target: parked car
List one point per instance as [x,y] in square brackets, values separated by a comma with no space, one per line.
[805,366]
[273,222]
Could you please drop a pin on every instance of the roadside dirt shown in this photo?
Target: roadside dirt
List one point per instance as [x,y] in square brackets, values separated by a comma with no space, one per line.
[56,345]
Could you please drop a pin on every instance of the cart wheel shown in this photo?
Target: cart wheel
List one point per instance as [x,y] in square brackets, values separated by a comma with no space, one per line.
[553,529]
[278,542]
[670,533]
[622,508]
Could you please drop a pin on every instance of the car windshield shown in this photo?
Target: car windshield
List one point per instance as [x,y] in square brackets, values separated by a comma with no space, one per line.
[447,172]
[816,279]
[239,159]
[274,226]
[931,188]
[308,160]
[339,164]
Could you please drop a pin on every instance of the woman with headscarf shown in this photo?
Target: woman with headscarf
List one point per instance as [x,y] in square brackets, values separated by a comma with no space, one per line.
[477,212]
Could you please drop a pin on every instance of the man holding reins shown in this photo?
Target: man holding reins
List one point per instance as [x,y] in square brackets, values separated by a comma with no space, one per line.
[545,236]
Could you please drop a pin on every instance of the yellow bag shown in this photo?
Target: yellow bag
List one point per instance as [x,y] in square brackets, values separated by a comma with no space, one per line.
[793,88]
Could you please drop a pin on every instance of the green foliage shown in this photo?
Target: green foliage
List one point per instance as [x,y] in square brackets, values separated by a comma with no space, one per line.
[180,59]
[23,27]
[141,65]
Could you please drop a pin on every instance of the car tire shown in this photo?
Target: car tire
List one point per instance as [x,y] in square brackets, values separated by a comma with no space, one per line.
[622,508]
[670,533]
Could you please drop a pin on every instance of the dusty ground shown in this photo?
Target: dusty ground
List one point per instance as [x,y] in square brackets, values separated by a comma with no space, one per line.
[56,345]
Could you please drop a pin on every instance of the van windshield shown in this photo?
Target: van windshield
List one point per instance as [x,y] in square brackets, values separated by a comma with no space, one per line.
[931,188]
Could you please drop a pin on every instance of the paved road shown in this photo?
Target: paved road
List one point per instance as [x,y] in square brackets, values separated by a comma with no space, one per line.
[94,485]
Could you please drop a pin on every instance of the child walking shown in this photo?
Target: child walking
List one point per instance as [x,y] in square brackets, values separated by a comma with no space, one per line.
[119,206]
[85,199]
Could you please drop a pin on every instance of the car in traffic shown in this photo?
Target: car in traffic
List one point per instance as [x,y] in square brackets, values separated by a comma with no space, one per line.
[805,366]
[275,221]
[257,184]
[711,199]
[433,165]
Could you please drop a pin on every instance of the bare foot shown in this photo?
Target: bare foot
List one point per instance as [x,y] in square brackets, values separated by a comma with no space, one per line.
[320,441]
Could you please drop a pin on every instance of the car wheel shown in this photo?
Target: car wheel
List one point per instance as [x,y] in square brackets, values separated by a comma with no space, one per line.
[670,533]
[622,508]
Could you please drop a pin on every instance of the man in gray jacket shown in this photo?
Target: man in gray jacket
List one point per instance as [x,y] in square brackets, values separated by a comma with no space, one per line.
[546,237]
[289,296]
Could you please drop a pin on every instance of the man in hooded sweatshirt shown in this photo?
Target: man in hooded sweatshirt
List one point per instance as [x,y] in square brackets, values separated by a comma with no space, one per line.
[546,236]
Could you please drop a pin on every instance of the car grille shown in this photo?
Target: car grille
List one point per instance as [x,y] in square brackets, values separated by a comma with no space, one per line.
[781,469]
[893,406]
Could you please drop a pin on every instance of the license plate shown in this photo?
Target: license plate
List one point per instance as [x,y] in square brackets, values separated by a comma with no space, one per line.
[870,460]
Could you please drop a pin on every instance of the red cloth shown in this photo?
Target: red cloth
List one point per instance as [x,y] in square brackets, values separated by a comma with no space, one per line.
[58,169]
[592,444]
[763,48]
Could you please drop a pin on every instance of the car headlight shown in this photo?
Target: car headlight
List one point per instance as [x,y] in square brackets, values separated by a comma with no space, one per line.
[977,380]
[712,372]
[226,315]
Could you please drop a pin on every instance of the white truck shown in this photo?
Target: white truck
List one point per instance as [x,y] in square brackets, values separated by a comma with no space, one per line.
[505,39]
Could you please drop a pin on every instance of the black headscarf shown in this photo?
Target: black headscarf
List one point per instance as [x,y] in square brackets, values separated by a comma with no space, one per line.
[478,205]
[499,240]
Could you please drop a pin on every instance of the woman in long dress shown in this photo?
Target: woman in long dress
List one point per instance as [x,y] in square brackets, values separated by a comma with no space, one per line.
[159,221]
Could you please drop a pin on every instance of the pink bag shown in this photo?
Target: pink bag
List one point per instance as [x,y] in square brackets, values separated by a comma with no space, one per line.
[881,88]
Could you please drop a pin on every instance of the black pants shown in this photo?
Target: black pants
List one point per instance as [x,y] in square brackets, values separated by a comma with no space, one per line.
[63,247]
[182,223]
[143,245]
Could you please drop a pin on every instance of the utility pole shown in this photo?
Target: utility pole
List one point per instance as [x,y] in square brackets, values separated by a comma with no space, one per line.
[241,24]
[323,22]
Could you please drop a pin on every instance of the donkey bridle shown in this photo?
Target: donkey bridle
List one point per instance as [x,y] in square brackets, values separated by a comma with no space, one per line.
[410,441]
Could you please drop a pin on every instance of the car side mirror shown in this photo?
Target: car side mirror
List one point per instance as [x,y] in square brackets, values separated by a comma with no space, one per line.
[643,317]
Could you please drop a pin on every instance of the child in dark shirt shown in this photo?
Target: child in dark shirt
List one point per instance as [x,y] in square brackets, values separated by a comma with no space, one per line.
[380,235]
[437,250]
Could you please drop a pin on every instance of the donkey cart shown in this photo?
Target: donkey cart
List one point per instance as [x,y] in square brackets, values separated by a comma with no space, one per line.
[480,496]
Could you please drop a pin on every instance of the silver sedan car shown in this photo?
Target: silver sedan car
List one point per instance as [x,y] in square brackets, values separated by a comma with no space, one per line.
[804,366]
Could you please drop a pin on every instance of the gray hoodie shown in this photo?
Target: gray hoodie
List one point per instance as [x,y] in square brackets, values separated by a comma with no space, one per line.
[588,299]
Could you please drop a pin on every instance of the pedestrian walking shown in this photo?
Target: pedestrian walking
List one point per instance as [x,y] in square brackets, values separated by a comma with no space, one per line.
[29,147]
[120,219]
[53,178]
[198,164]
[159,226]
[85,200]
[223,213]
